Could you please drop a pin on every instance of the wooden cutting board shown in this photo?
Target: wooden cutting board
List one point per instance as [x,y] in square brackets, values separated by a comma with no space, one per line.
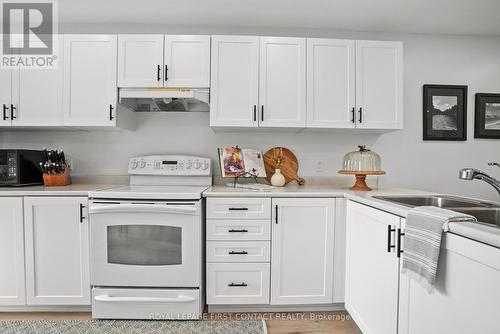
[284,159]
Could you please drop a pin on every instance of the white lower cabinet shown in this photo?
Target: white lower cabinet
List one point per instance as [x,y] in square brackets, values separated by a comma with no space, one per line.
[57,251]
[255,260]
[372,269]
[302,251]
[12,289]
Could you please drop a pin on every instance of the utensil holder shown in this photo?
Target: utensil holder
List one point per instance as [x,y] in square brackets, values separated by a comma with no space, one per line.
[55,180]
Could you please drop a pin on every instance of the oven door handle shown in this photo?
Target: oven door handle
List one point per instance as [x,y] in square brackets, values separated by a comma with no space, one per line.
[149,208]
[108,298]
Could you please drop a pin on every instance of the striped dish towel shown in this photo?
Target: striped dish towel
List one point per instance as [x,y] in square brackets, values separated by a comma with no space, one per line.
[422,241]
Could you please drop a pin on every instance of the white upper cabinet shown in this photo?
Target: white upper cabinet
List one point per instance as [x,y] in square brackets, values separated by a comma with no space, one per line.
[234,88]
[90,88]
[282,80]
[140,61]
[5,95]
[38,94]
[302,251]
[163,61]
[372,269]
[331,87]
[57,251]
[379,85]
[12,287]
[187,61]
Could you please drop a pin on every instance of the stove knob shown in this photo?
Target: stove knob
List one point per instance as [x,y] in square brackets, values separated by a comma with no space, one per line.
[142,164]
[197,165]
[205,166]
[133,164]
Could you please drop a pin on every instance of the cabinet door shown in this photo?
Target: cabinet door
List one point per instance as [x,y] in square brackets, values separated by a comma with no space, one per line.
[379,85]
[465,296]
[57,251]
[187,61]
[330,83]
[140,61]
[282,82]
[12,289]
[234,88]
[5,94]
[90,91]
[302,251]
[372,273]
[38,94]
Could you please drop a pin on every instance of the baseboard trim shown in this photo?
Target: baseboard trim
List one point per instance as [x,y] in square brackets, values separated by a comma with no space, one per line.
[46,308]
[275,308]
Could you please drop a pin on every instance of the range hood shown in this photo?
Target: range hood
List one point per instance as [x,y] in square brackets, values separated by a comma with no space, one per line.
[165,99]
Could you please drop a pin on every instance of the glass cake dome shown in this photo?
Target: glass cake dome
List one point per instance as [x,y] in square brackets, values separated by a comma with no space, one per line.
[362,160]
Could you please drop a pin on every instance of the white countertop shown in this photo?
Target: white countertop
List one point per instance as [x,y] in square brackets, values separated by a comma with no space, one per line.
[77,189]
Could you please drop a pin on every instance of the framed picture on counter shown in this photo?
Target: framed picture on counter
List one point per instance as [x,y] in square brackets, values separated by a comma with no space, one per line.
[445,112]
[487,116]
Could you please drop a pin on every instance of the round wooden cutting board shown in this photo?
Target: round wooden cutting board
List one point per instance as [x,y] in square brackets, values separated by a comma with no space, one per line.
[284,159]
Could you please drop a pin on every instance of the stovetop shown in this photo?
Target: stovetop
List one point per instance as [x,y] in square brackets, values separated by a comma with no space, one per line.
[151,192]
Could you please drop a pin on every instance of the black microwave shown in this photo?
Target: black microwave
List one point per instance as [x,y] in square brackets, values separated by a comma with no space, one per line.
[20,167]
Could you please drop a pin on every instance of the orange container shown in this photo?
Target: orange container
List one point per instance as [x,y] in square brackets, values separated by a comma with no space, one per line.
[62,179]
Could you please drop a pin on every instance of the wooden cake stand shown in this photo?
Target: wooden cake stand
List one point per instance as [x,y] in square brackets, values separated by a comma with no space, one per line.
[360,184]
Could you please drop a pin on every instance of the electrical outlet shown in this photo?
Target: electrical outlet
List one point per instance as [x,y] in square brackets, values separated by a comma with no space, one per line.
[319,166]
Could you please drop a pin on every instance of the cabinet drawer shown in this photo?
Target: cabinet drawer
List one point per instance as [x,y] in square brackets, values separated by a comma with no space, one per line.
[239,251]
[238,230]
[238,283]
[128,303]
[240,208]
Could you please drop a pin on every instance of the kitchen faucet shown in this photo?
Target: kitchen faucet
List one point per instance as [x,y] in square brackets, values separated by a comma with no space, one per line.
[476,174]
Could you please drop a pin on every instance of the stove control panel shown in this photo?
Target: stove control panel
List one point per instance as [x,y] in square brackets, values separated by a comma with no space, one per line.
[176,165]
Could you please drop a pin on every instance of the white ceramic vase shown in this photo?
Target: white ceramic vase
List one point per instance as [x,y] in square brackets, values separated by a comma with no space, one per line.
[278,180]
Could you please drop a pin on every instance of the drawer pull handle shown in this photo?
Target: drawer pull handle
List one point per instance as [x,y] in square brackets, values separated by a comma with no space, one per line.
[238,253]
[238,209]
[238,231]
[243,284]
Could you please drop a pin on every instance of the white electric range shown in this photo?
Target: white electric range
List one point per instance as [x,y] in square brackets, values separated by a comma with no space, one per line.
[146,241]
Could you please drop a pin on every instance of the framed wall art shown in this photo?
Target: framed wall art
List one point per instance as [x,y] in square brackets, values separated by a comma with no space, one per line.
[487,116]
[445,112]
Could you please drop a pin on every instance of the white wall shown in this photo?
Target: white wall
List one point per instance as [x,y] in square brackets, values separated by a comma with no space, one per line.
[409,161]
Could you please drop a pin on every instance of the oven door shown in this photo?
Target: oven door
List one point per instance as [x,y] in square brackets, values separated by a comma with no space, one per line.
[141,243]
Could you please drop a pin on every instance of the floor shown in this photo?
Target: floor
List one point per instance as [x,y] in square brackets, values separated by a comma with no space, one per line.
[277,323]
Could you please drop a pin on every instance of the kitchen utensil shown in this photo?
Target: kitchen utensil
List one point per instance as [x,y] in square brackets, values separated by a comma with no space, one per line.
[55,168]
[283,159]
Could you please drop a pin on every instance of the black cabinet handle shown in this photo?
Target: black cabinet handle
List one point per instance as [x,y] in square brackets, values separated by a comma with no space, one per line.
[389,238]
[238,209]
[360,115]
[238,231]
[254,113]
[238,253]
[276,214]
[81,212]
[12,108]
[5,109]
[262,113]
[166,73]
[111,117]
[158,70]
[400,234]
[353,111]
[243,284]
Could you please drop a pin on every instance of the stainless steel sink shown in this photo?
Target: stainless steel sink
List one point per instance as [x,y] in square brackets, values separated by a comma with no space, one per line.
[440,201]
[489,216]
